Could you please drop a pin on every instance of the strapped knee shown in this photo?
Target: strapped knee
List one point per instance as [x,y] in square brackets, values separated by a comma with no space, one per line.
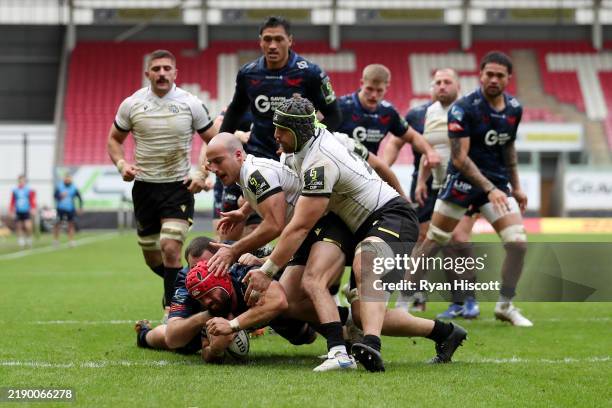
[513,233]
[149,242]
[174,230]
[438,235]
[449,210]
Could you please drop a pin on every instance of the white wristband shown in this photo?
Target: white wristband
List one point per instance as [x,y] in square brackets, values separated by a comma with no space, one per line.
[270,268]
[235,326]
[120,164]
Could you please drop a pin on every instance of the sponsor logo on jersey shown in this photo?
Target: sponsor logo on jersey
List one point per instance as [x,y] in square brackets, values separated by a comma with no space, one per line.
[493,138]
[457,113]
[302,64]
[362,134]
[455,127]
[264,103]
[294,81]
[314,179]
[258,184]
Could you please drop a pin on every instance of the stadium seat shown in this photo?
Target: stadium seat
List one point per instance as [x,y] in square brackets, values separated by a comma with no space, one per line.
[96,88]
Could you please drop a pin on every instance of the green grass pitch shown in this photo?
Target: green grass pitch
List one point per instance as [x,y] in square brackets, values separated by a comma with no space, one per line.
[67,321]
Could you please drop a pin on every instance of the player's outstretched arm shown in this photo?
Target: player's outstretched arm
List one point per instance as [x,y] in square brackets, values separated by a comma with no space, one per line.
[419,143]
[180,330]
[385,173]
[392,149]
[213,348]
[420,192]
[271,304]
[308,211]
[231,219]
[272,210]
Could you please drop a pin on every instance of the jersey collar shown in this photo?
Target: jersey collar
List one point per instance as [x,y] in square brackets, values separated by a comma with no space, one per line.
[360,107]
[488,105]
[243,168]
[169,94]
[290,62]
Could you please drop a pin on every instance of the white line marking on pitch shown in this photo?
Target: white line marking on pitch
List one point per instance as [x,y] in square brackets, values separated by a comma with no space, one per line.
[51,248]
[165,363]
[95,364]
[112,322]
[551,319]
[86,322]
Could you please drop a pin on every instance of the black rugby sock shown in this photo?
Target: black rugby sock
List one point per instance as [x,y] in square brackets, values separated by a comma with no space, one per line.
[169,279]
[440,331]
[142,338]
[343,311]
[333,333]
[372,341]
[159,270]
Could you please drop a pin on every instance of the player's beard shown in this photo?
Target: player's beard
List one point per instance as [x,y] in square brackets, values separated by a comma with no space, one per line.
[493,92]
[222,308]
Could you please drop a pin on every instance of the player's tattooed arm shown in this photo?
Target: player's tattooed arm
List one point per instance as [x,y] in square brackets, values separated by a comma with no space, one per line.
[511,160]
[462,162]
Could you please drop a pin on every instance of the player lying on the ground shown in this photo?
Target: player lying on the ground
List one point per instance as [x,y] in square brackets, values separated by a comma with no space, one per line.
[271,189]
[183,333]
[335,180]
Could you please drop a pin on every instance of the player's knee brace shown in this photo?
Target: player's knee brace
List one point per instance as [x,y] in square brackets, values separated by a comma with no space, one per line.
[513,233]
[438,235]
[450,210]
[491,214]
[149,242]
[375,245]
[174,230]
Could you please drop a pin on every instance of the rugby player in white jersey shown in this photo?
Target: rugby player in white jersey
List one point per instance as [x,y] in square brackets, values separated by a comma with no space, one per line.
[162,119]
[272,189]
[334,179]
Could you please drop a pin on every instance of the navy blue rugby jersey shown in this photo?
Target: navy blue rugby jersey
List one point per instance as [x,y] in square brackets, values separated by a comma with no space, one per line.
[266,89]
[370,127]
[489,131]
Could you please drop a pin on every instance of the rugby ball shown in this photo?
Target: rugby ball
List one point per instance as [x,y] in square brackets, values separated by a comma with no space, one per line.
[239,348]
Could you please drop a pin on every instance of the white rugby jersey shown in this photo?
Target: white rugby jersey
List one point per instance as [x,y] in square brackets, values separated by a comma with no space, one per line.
[436,134]
[163,130]
[330,168]
[260,178]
